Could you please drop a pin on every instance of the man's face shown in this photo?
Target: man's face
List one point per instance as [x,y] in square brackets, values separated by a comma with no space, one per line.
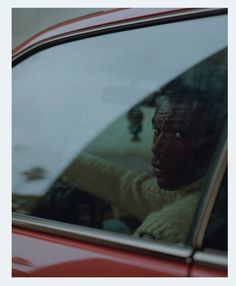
[181,149]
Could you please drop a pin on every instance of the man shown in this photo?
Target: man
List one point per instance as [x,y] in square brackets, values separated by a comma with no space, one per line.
[185,135]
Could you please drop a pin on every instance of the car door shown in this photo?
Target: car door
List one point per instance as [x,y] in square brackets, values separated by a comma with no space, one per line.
[95,93]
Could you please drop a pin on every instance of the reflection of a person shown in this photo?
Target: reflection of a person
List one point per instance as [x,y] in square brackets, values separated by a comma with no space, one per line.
[184,139]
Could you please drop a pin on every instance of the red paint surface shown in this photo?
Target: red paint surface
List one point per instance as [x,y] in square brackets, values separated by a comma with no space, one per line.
[64,23]
[116,19]
[204,271]
[38,254]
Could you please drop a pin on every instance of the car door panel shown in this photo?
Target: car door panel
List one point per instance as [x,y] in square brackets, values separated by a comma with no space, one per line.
[49,255]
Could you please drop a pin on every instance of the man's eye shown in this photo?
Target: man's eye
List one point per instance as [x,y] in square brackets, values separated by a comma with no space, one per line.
[156,131]
[178,134]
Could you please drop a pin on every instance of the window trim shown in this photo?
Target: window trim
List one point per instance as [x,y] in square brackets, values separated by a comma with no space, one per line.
[209,200]
[180,253]
[113,28]
[211,258]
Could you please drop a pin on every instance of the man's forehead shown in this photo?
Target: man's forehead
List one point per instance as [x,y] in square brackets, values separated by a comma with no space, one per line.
[165,105]
[181,112]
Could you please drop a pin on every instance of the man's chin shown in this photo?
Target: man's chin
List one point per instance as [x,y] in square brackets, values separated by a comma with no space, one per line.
[170,185]
[168,180]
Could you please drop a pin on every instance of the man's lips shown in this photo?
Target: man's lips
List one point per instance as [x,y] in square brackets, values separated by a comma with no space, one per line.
[159,172]
[158,167]
[163,171]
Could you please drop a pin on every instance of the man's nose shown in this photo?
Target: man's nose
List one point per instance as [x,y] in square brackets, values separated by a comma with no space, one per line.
[157,142]
[161,144]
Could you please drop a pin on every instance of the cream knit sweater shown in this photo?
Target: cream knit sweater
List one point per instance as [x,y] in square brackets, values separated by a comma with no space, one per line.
[166,215]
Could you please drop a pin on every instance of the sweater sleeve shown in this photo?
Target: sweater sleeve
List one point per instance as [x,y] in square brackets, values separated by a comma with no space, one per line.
[136,193]
[172,223]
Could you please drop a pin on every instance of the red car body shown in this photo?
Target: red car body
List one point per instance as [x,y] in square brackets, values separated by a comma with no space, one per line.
[49,249]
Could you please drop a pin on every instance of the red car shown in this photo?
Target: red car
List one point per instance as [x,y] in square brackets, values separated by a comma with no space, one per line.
[120,146]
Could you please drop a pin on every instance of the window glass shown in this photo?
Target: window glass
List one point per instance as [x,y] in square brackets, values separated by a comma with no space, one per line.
[122,142]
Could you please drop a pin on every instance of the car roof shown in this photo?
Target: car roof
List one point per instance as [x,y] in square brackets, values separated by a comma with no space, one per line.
[98,20]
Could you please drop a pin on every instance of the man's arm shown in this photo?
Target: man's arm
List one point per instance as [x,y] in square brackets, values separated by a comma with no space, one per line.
[133,192]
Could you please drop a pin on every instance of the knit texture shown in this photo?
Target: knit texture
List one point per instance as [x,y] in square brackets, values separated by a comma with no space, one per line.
[171,223]
[167,215]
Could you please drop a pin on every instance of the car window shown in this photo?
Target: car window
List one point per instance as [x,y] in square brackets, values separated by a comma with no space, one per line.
[126,146]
